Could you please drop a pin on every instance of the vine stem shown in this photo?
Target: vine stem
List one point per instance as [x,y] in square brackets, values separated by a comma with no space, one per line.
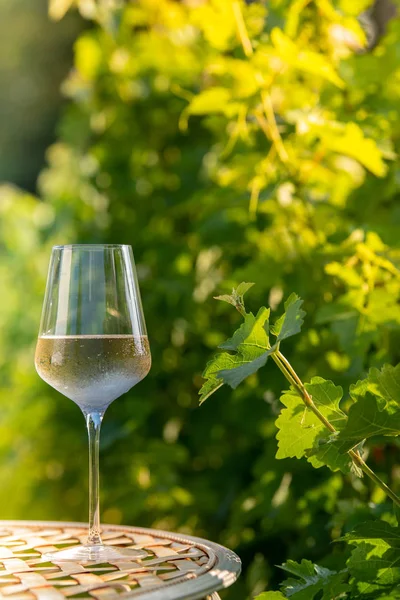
[273,127]
[242,29]
[290,374]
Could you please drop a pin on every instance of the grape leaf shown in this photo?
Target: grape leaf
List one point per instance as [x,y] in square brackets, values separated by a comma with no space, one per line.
[384,383]
[362,387]
[373,530]
[326,394]
[368,417]
[243,288]
[312,580]
[234,375]
[210,374]
[301,433]
[376,558]
[236,298]
[252,333]
[387,381]
[292,319]
[251,344]
[326,453]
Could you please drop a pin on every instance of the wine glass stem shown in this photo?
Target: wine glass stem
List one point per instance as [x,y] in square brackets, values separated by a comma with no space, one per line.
[93,422]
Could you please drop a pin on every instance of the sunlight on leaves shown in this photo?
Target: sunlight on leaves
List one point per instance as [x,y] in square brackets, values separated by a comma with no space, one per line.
[301,433]
[376,556]
[250,342]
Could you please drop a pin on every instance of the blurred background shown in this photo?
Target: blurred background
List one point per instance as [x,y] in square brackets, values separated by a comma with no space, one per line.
[35,59]
[226,142]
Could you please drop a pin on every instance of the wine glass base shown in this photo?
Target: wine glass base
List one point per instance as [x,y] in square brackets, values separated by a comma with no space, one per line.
[95,554]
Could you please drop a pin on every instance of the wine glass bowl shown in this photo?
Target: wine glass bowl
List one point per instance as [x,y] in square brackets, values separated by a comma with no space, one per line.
[92,370]
[92,348]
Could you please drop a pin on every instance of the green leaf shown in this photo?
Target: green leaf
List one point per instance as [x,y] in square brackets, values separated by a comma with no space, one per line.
[327,396]
[384,383]
[301,433]
[326,453]
[376,558]
[312,580]
[362,387]
[236,298]
[368,418]
[292,319]
[316,64]
[387,382]
[307,61]
[210,374]
[251,334]
[243,287]
[251,346]
[213,100]
[350,140]
[234,375]
[373,530]
[297,426]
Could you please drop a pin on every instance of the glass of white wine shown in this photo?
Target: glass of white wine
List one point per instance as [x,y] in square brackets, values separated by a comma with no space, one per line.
[93,347]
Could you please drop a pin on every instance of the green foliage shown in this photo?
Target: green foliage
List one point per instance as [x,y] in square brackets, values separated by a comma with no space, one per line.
[384,383]
[312,581]
[291,321]
[236,298]
[302,434]
[368,419]
[227,141]
[374,563]
[251,344]
[311,412]
[375,411]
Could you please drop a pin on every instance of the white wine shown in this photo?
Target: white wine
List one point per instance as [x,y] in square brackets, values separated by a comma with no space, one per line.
[92,370]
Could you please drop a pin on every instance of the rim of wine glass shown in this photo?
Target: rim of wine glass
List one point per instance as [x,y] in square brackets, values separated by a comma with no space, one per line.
[90,246]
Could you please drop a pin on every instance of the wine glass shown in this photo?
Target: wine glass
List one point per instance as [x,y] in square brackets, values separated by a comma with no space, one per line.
[93,347]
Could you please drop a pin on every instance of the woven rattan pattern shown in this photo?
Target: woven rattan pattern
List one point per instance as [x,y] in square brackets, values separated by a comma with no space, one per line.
[25,575]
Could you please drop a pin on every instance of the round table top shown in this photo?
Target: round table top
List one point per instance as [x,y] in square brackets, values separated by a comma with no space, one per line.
[177,567]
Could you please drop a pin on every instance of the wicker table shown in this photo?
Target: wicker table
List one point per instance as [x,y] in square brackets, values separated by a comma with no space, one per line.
[177,567]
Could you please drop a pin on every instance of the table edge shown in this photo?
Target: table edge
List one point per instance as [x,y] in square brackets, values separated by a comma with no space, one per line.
[225,571]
